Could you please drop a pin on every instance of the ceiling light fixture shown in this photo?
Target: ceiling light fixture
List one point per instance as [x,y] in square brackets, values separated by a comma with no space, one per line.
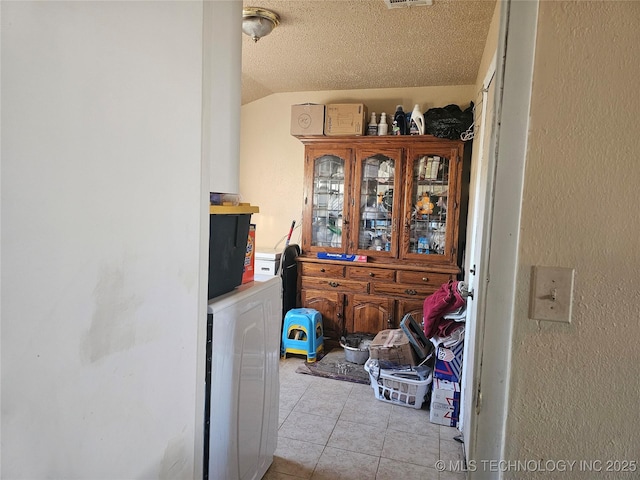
[258,22]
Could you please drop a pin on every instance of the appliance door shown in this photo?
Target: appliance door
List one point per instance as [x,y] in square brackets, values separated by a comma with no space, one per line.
[244,385]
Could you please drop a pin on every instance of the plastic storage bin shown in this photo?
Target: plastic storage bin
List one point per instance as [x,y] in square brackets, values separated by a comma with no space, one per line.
[228,234]
[406,387]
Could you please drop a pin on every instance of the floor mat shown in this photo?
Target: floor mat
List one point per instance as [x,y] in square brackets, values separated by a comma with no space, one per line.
[333,365]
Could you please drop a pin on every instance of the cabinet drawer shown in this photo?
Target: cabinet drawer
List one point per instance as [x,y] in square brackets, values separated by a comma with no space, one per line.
[322,270]
[424,278]
[371,274]
[399,289]
[337,284]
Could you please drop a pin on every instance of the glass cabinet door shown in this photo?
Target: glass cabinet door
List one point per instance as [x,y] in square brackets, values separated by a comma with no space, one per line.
[429,219]
[375,204]
[327,202]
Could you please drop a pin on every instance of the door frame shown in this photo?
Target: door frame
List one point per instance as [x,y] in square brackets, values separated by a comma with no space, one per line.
[507,154]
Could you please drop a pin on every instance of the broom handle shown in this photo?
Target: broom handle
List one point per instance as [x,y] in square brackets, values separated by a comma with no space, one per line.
[293,224]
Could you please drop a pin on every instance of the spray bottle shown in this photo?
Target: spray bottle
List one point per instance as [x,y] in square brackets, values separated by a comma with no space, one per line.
[383,127]
[372,128]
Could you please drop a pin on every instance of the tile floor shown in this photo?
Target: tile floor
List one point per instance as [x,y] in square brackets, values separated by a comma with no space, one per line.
[335,430]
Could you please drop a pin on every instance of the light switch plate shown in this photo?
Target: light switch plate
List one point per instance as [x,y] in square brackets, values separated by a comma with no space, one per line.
[551,293]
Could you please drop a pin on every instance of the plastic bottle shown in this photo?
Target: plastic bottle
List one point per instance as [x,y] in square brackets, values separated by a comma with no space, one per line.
[372,128]
[382,126]
[399,122]
[417,121]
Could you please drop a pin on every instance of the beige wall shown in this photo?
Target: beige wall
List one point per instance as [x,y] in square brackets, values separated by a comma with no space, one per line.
[271,160]
[574,391]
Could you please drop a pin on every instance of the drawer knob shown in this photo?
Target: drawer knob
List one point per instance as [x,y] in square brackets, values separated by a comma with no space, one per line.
[322,270]
[425,279]
[334,284]
[371,274]
[410,291]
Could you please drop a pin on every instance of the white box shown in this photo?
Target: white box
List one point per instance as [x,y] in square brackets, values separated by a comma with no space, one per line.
[267,261]
[445,403]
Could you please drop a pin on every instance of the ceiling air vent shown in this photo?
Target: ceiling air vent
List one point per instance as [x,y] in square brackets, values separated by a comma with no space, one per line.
[407,3]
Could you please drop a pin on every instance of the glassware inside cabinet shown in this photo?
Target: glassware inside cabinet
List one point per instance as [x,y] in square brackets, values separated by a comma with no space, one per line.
[376,203]
[429,198]
[328,201]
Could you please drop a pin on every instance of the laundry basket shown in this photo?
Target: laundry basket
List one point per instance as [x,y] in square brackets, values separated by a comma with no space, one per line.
[400,387]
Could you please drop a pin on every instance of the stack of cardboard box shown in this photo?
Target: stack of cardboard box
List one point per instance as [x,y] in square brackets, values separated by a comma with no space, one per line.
[445,395]
[334,119]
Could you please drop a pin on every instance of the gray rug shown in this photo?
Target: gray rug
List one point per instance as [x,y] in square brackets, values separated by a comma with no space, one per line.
[333,365]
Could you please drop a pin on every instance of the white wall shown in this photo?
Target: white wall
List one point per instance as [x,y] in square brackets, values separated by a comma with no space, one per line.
[101,225]
[221,93]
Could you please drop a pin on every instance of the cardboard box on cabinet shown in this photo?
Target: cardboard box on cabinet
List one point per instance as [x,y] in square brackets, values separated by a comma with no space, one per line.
[345,119]
[307,119]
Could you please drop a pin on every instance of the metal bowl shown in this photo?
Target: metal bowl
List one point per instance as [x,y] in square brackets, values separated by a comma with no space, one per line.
[358,354]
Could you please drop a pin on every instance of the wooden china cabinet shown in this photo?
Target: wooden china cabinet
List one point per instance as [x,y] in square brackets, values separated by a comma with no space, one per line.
[399,200]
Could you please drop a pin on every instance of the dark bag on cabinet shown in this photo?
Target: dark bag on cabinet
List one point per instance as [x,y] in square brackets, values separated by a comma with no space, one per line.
[448,122]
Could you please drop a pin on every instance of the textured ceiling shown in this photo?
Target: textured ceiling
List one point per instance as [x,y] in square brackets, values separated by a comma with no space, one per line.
[356,44]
